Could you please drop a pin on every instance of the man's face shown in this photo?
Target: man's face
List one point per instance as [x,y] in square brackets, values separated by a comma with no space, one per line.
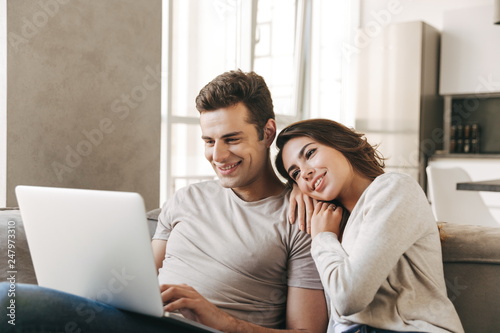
[232,146]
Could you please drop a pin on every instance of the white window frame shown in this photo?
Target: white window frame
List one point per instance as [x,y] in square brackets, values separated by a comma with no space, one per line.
[244,59]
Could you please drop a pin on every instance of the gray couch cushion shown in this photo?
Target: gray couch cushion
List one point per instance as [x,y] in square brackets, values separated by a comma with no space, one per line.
[10,219]
[471,243]
[471,257]
[152,216]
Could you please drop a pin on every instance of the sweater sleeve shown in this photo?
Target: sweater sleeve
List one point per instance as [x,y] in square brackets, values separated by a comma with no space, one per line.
[386,224]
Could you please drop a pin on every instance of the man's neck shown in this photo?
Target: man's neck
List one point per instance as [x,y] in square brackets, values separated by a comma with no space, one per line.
[266,186]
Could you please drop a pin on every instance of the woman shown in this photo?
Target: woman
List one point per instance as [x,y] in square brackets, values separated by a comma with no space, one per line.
[382,269]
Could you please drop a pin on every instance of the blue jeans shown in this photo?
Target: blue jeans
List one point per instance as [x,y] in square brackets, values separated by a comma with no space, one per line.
[30,308]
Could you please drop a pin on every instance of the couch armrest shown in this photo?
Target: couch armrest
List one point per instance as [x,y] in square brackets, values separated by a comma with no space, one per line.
[471,258]
[10,219]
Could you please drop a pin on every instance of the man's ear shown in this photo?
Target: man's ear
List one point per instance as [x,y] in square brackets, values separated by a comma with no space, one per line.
[269,132]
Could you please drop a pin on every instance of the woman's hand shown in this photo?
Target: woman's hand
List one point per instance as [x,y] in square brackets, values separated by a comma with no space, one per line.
[326,217]
[301,209]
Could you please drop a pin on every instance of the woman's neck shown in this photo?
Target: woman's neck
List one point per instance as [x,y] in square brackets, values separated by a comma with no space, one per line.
[356,187]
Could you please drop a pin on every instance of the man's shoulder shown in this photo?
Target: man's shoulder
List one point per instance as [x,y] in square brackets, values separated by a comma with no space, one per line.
[207,186]
[196,191]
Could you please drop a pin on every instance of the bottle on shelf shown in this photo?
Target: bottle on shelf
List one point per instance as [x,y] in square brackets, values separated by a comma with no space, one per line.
[453,139]
[467,138]
[475,141]
[460,142]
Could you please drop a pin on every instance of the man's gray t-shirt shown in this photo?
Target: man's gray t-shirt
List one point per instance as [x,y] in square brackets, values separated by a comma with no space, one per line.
[240,255]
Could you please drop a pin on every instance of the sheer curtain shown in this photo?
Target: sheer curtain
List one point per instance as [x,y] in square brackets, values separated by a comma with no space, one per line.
[294,44]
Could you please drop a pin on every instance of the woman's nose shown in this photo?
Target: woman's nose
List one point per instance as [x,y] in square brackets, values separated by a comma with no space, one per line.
[307,173]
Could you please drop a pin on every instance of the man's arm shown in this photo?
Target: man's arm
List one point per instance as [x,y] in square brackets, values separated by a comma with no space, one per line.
[306,311]
[159,248]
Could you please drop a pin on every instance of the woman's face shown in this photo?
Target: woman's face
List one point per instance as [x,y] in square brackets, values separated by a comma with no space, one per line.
[320,171]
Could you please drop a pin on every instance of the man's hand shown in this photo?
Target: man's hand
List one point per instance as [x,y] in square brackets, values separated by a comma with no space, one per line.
[301,209]
[326,217]
[192,305]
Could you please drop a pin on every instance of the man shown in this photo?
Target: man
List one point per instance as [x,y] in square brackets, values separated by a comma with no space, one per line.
[229,239]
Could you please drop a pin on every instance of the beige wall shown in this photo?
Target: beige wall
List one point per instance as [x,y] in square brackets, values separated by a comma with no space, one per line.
[83,95]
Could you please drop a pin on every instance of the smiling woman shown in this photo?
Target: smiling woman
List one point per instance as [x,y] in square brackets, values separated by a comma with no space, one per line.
[386,258]
[362,156]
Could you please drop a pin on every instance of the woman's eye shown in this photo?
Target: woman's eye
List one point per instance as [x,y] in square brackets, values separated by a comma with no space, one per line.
[310,152]
[294,174]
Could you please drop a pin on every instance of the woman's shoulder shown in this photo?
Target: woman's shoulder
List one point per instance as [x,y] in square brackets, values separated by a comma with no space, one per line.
[395,191]
[394,178]
[393,183]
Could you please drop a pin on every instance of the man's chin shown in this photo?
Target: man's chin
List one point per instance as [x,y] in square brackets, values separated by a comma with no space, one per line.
[228,182]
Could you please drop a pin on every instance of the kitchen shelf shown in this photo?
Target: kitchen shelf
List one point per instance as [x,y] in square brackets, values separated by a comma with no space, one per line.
[483,110]
[443,154]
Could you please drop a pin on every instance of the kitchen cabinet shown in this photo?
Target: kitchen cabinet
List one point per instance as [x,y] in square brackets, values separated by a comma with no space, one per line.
[470,51]
[397,104]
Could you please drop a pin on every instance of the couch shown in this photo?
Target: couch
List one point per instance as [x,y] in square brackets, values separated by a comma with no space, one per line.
[471,257]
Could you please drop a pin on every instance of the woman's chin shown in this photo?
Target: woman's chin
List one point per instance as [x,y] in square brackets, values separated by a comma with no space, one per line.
[319,198]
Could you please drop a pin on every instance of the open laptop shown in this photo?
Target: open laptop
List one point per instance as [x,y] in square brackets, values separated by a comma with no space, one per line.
[95,244]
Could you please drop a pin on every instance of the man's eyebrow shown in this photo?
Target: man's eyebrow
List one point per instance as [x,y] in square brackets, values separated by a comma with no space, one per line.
[225,136]
[301,152]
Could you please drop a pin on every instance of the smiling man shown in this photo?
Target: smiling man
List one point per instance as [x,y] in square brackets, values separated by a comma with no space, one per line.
[226,255]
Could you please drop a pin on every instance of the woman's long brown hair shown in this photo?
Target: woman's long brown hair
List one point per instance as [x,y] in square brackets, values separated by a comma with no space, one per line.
[363,157]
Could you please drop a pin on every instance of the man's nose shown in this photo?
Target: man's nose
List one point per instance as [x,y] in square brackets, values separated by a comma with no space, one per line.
[220,152]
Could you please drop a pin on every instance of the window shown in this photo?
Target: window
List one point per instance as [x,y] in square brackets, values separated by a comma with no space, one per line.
[293,44]
[274,57]
[201,39]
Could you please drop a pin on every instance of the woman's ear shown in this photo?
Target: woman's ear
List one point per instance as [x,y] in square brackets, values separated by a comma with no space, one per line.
[269,132]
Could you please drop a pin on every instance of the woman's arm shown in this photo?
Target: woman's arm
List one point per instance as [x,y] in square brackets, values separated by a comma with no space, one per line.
[386,225]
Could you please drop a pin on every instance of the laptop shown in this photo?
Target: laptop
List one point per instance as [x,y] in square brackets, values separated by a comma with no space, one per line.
[95,244]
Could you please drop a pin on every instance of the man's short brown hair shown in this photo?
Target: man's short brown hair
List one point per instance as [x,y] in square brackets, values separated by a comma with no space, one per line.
[233,87]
